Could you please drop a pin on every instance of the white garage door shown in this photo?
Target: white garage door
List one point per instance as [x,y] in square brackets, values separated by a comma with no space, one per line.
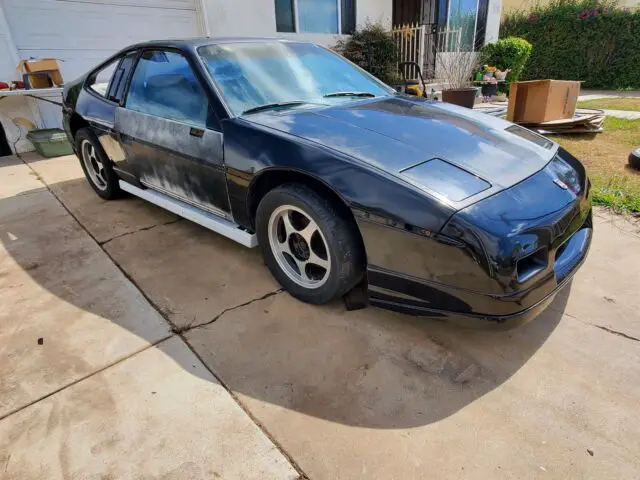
[82,33]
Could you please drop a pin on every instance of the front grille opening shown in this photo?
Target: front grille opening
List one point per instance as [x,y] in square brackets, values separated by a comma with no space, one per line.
[529,266]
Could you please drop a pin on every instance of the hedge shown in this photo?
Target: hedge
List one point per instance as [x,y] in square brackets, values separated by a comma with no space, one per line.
[372,48]
[580,40]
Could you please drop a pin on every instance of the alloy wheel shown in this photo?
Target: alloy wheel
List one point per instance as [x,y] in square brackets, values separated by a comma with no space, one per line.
[93,164]
[299,246]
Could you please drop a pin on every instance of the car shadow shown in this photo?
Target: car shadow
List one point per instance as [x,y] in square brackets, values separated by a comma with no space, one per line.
[368,368]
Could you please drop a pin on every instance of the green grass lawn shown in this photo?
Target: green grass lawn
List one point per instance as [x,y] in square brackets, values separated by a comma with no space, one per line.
[606,155]
[612,104]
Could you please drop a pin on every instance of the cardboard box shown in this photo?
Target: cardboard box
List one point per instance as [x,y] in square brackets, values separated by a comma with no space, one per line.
[43,65]
[539,101]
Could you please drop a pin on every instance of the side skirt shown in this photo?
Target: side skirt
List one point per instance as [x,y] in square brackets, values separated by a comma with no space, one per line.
[196,215]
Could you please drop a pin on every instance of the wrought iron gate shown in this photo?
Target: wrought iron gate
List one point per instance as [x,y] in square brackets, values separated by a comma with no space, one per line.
[421,43]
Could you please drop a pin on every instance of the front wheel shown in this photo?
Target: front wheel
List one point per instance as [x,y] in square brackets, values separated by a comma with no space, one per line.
[313,251]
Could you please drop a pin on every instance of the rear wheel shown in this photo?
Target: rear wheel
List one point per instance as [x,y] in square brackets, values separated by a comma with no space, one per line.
[313,251]
[96,165]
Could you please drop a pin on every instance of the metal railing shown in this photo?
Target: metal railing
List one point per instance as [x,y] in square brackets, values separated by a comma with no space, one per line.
[421,43]
[410,40]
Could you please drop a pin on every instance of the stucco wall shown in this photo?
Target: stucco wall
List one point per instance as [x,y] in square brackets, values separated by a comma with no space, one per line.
[374,10]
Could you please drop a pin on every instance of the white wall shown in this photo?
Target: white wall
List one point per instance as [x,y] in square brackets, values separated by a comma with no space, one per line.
[374,10]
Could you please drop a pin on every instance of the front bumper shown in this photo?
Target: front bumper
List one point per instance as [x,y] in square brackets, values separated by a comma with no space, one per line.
[399,292]
[563,273]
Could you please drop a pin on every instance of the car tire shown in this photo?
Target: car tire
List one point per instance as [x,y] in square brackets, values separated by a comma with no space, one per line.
[96,165]
[634,159]
[312,250]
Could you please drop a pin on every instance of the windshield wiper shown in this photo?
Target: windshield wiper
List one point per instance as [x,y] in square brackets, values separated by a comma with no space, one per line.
[269,106]
[349,94]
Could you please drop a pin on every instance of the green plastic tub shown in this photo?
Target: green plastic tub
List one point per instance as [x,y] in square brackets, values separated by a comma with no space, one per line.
[50,142]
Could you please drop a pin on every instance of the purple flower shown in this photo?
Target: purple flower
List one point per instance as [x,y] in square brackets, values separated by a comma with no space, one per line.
[533,18]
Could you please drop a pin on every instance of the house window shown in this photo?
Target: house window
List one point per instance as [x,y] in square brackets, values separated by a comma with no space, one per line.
[462,22]
[315,16]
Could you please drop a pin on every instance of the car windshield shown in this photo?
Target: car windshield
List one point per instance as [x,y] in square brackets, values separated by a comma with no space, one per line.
[258,76]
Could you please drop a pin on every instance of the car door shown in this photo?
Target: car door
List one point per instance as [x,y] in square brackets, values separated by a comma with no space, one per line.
[170,134]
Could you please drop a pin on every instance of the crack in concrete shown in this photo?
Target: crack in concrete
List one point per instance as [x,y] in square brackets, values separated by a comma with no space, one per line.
[606,329]
[141,230]
[180,330]
[616,332]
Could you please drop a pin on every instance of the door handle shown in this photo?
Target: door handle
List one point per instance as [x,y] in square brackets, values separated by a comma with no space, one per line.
[196,132]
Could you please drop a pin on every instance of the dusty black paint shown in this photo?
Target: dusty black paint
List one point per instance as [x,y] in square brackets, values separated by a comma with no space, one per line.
[164,154]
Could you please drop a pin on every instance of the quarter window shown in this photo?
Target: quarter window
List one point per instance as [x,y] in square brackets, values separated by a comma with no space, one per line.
[315,16]
[99,81]
[164,85]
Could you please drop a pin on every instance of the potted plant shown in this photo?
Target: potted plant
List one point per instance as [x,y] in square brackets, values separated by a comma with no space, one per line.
[455,70]
[489,71]
[501,76]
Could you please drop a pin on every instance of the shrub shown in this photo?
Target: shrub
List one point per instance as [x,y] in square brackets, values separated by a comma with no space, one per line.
[508,53]
[581,40]
[372,48]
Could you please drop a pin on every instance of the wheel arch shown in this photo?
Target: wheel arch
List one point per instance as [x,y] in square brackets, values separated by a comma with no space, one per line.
[271,178]
[76,122]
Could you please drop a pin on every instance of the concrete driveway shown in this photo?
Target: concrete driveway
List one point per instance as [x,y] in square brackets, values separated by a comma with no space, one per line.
[169,352]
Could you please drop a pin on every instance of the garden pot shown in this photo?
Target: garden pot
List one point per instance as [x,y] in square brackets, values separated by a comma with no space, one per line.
[489,89]
[460,96]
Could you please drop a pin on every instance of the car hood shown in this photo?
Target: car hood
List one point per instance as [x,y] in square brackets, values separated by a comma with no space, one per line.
[397,132]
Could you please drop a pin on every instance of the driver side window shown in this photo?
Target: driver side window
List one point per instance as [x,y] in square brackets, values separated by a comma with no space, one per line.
[164,85]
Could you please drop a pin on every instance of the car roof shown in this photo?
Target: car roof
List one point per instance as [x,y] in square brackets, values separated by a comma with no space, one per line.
[191,43]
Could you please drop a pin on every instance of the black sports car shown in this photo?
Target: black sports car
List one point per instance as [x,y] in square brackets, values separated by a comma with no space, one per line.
[346,185]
